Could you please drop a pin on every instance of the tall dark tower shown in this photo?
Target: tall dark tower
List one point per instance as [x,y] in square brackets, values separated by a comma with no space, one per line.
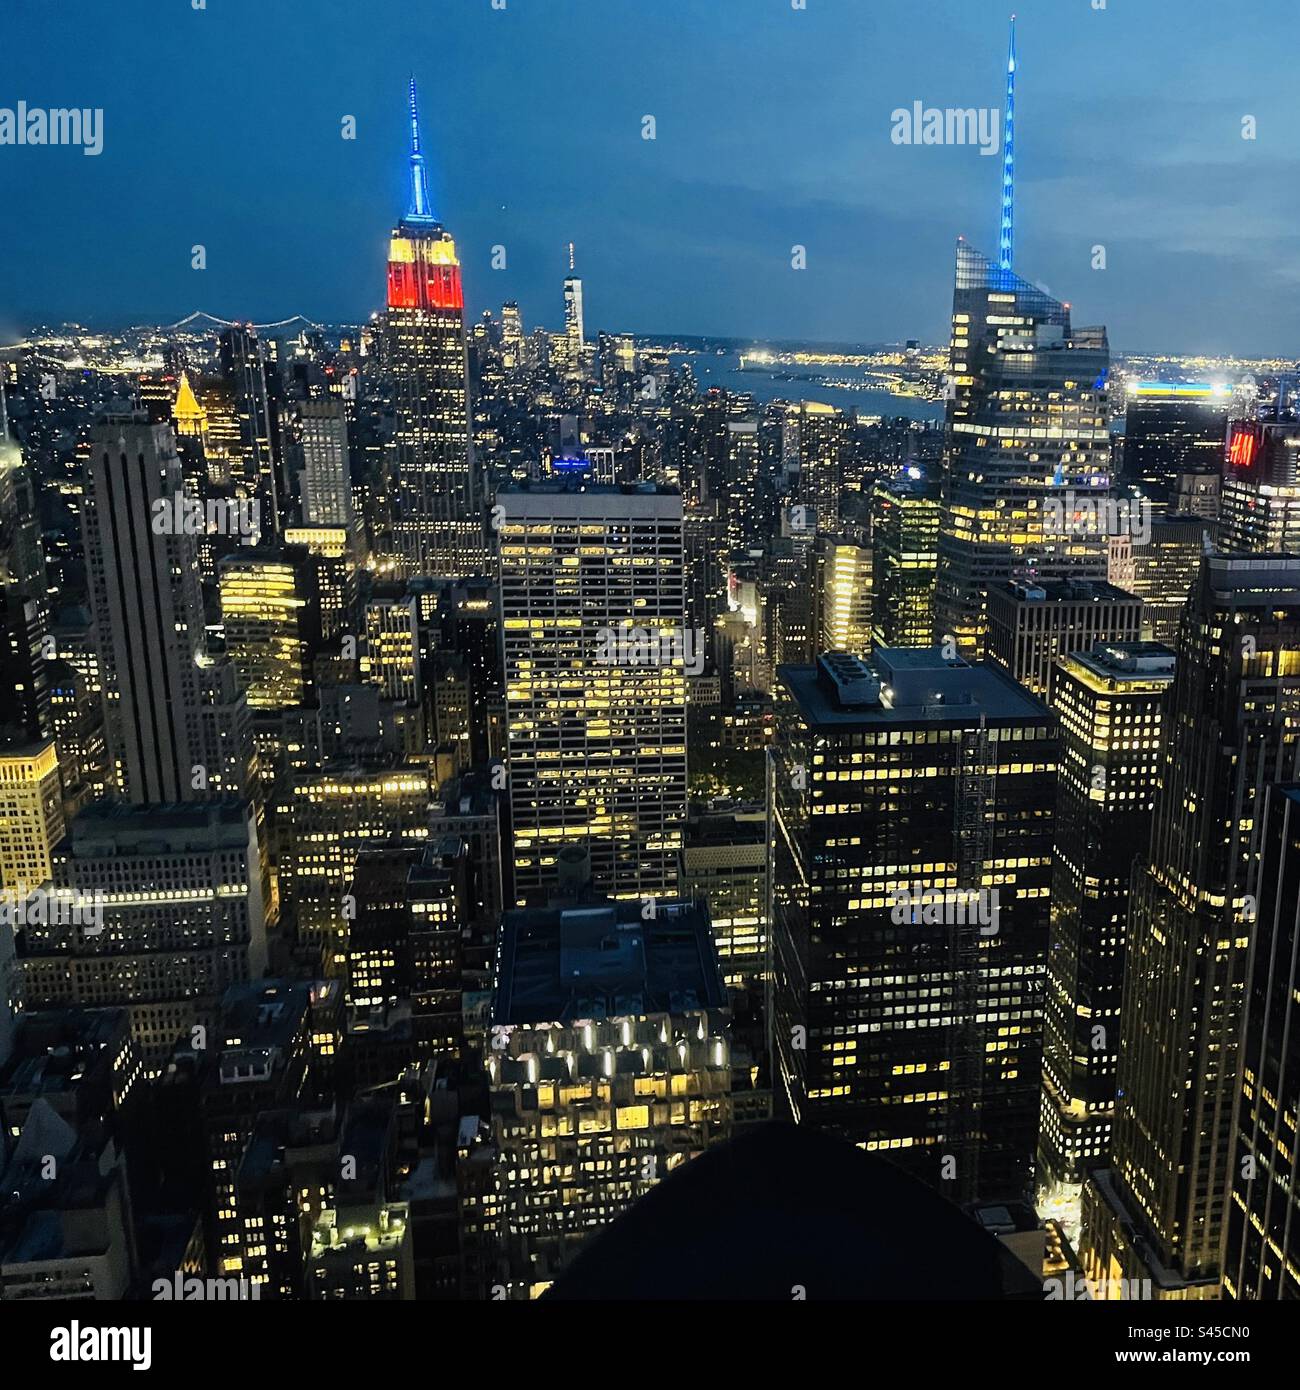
[1159,1213]
[1027,436]
[438,526]
[1264,1213]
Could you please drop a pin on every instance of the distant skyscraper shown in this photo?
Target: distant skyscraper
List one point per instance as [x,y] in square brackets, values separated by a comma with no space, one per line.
[439,522]
[574,328]
[514,348]
[1173,443]
[252,388]
[178,729]
[1158,1213]
[1263,1259]
[912,819]
[1261,485]
[1026,430]
[823,440]
[24,600]
[325,484]
[1111,705]
[905,556]
[1027,440]
[592,615]
[845,596]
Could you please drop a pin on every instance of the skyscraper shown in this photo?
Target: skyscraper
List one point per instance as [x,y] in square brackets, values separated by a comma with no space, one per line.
[177,726]
[844,595]
[904,551]
[438,528]
[1261,485]
[325,486]
[1026,438]
[252,390]
[1111,705]
[1263,1257]
[912,807]
[574,327]
[1173,443]
[595,652]
[1158,1213]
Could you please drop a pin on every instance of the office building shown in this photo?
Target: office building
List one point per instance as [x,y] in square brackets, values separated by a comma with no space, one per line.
[271,614]
[1173,443]
[31,817]
[1263,1248]
[1027,440]
[913,802]
[609,1068]
[1030,625]
[845,600]
[168,907]
[724,864]
[1158,1212]
[1111,704]
[596,655]
[905,558]
[1261,486]
[1165,566]
[178,728]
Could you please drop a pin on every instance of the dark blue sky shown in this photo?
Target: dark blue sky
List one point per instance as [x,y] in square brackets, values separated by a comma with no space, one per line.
[222,127]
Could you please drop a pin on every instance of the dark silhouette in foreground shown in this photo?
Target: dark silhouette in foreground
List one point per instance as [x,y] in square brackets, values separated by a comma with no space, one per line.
[783,1212]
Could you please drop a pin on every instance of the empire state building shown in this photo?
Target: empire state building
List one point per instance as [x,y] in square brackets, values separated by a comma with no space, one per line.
[438,515]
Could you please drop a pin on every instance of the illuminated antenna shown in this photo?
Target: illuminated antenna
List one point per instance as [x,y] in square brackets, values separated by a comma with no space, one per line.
[571,265]
[1007,234]
[421,207]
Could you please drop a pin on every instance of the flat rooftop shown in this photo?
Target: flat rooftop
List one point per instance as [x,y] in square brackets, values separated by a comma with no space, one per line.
[917,685]
[602,960]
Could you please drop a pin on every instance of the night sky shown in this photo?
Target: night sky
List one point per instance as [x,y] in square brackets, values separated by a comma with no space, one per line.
[222,127]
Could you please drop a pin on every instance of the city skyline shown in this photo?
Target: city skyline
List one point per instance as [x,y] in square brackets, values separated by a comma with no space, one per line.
[502,801]
[713,206]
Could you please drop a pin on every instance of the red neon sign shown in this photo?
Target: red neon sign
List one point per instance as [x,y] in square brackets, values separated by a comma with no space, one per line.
[1243,447]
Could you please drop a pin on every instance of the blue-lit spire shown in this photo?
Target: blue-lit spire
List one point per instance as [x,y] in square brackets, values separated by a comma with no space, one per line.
[1007,235]
[421,206]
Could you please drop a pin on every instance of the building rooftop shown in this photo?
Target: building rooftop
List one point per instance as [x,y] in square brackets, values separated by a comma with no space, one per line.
[602,960]
[1061,591]
[1124,661]
[111,827]
[906,686]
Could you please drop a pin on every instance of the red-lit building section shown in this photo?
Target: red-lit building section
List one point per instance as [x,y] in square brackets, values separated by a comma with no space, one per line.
[415,282]
[1243,446]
